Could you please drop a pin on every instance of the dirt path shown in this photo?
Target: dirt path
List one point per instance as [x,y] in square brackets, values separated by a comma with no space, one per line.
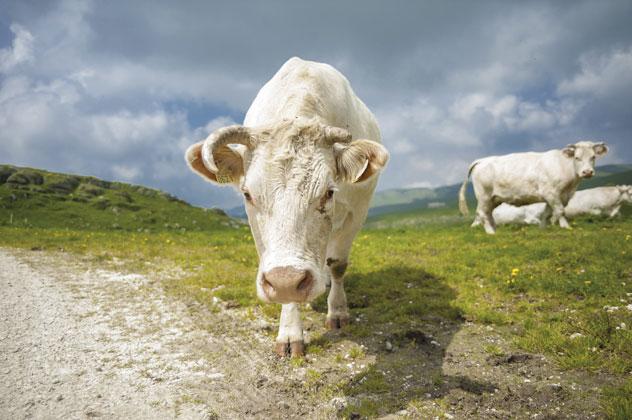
[79,341]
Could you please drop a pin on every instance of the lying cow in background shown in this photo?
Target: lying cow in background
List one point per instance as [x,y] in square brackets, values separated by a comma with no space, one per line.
[599,201]
[525,178]
[307,161]
[531,214]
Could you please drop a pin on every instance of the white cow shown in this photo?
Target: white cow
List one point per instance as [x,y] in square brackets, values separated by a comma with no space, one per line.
[599,201]
[531,214]
[306,160]
[525,178]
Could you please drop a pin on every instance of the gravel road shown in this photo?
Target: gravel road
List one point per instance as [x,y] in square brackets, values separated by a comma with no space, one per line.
[81,342]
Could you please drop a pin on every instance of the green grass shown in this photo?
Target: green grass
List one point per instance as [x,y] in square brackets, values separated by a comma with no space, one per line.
[540,286]
[546,284]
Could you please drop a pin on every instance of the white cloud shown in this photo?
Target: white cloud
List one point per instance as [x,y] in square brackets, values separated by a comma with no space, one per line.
[21,50]
[90,86]
[601,75]
[421,184]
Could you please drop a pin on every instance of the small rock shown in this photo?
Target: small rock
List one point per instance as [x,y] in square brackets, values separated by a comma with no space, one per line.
[261,381]
[59,397]
[388,346]
[512,358]
[338,403]
[556,387]
[283,405]
[263,325]
[576,335]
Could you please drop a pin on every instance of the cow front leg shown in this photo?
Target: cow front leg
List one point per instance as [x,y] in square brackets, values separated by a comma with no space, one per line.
[614,212]
[557,209]
[290,342]
[337,310]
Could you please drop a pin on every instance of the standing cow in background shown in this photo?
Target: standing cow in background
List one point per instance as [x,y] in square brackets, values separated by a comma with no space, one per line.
[525,178]
[306,160]
[599,201]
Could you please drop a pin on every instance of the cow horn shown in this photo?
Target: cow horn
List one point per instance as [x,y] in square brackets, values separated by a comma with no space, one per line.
[337,135]
[233,134]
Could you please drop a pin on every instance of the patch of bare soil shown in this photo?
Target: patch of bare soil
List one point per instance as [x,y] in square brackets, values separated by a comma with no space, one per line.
[81,341]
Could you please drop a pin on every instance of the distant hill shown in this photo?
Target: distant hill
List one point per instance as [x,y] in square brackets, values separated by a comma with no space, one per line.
[238,212]
[33,197]
[407,200]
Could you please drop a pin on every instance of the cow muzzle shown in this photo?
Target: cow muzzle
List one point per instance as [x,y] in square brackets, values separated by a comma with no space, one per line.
[287,284]
[587,173]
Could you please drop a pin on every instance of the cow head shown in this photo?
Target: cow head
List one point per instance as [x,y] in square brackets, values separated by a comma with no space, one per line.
[289,176]
[584,154]
[625,193]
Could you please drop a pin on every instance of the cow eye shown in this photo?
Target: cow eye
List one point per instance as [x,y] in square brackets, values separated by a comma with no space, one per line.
[247,196]
[330,194]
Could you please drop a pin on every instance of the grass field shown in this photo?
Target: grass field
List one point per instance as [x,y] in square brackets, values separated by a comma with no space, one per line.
[566,294]
[549,285]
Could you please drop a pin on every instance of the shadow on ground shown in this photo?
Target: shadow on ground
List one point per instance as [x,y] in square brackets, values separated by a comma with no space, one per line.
[405,318]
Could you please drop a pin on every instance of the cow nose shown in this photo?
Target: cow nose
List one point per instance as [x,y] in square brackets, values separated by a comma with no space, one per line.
[587,173]
[287,284]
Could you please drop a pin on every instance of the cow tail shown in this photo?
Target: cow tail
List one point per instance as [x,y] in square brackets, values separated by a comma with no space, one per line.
[462,201]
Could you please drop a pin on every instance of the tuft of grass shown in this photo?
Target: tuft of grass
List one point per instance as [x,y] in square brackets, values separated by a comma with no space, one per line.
[357,352]
[617,401]
[493,350]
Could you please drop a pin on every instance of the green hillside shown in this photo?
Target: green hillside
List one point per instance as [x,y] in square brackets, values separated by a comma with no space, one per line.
[36,198]
[401,196]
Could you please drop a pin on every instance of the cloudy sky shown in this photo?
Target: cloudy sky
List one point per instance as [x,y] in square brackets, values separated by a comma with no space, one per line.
[119,89]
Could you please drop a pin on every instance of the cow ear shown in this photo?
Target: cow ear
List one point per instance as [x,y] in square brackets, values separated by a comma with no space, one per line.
[569,151]
[228,161]
[359,160]
[600,149]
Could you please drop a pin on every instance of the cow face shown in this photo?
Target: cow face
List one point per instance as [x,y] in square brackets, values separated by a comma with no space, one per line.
[626,193]
[289,176]
[584,154]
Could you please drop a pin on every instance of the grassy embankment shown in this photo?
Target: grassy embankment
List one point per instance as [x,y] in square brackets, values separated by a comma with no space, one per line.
[541,287]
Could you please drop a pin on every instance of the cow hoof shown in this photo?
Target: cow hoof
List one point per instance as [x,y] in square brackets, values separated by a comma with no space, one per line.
[336,323]
[293,349]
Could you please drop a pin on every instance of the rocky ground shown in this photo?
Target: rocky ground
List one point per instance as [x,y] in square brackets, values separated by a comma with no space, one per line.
[78,340]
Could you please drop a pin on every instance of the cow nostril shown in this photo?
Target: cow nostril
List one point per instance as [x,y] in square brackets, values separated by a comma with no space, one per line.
[267,286]
[306,283]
